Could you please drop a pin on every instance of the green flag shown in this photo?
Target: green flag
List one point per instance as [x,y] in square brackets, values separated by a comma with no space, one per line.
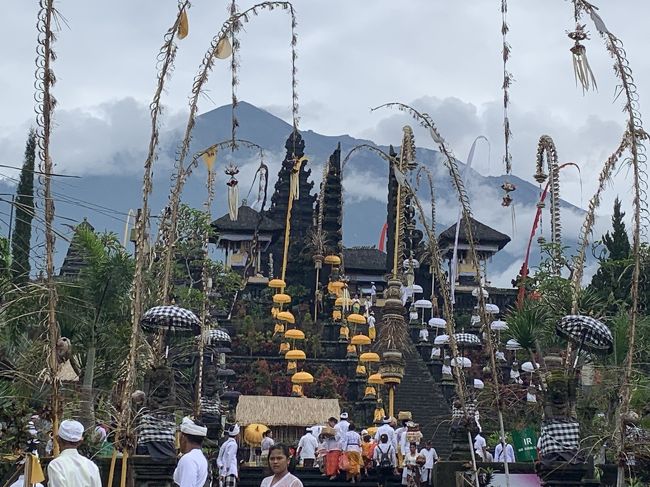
[524,442]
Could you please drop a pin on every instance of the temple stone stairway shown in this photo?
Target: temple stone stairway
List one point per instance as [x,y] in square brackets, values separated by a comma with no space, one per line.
[421,395]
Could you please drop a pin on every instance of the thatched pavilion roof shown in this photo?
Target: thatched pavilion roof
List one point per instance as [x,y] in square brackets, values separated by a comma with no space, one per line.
[285,411]
[482,233]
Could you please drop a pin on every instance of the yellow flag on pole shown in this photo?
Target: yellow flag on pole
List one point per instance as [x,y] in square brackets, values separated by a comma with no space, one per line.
[35,470]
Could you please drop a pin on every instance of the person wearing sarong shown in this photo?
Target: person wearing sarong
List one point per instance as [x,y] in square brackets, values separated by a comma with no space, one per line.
[367,452]
[372,331]
[351,444]
[332,459]
[227,459]
[410,473]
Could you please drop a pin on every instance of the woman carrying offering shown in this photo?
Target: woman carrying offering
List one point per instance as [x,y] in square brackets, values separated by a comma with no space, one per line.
[279,465]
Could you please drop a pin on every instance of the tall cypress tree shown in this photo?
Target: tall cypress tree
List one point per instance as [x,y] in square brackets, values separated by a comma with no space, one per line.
[612,280]
[24,204]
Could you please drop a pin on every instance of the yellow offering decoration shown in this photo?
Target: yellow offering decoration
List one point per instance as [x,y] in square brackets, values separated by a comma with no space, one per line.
[284,348]
[361,369]
[336,315]
[292,366]
[279,328]
[344,332]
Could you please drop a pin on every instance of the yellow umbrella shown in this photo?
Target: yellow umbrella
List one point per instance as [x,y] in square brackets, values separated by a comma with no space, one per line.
[294,334]
[277,284]
[253,434]
[375,379]
[295,355]
[357,319]
[335,287]
[286,316]
[333,260]
[369,357]
[281,298]
[302,378]
[343,302]
[360,340]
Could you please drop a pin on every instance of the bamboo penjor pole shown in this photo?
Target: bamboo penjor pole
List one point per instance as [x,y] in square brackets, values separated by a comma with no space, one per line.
[45,103]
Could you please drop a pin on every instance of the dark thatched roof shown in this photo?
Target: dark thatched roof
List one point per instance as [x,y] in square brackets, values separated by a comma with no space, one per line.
[364,258]
[247,220]
[482,233]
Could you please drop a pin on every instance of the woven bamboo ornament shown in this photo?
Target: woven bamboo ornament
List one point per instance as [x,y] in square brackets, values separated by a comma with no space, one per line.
[184,25]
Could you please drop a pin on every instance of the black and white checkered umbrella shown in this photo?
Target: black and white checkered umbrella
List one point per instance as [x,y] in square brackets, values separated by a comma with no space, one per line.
[218,336]
[170,318]
[467,340]
[586,332]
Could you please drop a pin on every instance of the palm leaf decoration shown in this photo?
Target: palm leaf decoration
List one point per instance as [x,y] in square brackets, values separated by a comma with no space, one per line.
[528,325]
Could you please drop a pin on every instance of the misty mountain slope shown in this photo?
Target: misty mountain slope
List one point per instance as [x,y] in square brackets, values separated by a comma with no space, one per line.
[365,186]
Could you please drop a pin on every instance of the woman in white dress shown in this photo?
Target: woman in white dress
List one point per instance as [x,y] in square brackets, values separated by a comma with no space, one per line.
[279,465]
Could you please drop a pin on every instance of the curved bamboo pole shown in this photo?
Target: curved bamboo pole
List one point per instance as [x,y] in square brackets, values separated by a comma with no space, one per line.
[166,58]
[452,165]
[458,373]
[45,104]
[636,136]
[197,89]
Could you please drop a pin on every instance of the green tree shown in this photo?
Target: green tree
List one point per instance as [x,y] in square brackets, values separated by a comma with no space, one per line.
[613,278]
[24,204]
[95,310]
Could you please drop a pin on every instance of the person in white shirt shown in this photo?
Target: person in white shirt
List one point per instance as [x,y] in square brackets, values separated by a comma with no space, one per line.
[192,467]
[351,445]
[480,446]
[227,459]
[70,468]
[279,465]
[266,444]
[387,429]
[504,452]
[429,453]
[307,449]
[372,331]
[342,426]
[385,460]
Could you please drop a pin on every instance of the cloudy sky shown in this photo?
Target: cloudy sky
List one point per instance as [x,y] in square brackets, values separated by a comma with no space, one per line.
[442,56]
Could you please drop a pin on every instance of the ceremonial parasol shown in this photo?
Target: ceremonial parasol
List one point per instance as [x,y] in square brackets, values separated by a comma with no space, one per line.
[588,333]
[423,304]
[217,336]
[467,340]
[478,384]
[437,323]
[416,289]
[513,344]
[529,367]
[498,325]
[441,340]
[461,362]
[475,292]
[171,318]
[491,308]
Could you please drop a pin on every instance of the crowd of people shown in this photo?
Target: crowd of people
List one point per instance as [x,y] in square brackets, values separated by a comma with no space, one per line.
[341,451]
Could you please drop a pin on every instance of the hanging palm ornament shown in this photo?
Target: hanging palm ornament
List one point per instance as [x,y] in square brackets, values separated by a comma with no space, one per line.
[233,191]
[581,69]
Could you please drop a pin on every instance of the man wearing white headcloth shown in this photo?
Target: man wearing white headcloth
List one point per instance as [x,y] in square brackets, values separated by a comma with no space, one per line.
[70,467]
[341,428]
[192,467]
[227,459]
